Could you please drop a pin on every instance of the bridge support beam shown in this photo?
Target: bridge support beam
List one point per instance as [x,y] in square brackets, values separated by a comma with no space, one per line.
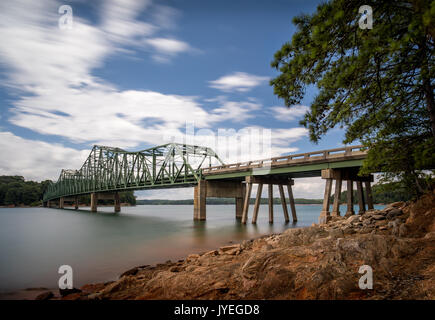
[337,193]
[325,215]
[270,200]
[117,202]
[246,204]
[239,208]
[369,195]
[94,201]
[283,203]
[257,203]
[350,211]
[361,201]
[199,201]
[61,203]
[270,181]
[351,175]
[292,201]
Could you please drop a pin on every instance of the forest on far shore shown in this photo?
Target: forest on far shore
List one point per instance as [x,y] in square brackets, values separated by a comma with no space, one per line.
[16,191]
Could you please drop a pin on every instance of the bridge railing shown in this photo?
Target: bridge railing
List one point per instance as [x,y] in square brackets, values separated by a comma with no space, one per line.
[299,158]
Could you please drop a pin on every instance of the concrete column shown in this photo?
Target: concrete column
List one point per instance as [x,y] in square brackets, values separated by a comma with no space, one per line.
[94,201]
[324,215]
[76,203]
[283,203]
[369,195]
[292,201]
[361,202]
[61,203]
[48,204]
[270,203]
[199,201]
[257,203]
[117,202]
[246,204]
[337,193]
[239,208]
[239,203]
[350,211]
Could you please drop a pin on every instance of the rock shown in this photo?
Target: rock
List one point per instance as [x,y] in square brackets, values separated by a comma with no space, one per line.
[336,233]
[65,292]
[211,253]
[397,204]
[255,264]
[192,257]
[378,217]
[230,248]
[394,213]
[45,295]
[403,230]
[130,272]
[352,219]
[176,269]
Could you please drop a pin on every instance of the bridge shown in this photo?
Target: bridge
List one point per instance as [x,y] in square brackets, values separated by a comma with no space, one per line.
[108,171]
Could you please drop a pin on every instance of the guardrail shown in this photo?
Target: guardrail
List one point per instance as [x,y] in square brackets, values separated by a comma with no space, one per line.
[301,158]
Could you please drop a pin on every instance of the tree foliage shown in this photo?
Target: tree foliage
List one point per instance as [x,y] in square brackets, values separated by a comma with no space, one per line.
[375,83]
[14,190]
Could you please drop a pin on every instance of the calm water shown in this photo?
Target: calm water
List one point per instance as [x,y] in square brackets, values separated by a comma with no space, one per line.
[34,242]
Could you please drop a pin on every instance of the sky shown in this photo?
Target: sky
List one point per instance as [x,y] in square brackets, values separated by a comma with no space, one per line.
[135,74]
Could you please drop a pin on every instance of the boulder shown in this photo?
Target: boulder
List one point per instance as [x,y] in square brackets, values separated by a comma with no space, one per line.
[45,295]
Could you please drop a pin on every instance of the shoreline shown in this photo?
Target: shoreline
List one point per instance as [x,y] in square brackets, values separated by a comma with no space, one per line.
[317,262]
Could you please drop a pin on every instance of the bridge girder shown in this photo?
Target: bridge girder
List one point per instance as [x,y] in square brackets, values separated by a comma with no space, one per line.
[107,169]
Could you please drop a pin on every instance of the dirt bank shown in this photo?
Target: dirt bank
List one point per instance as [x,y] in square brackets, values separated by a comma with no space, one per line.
[319,262]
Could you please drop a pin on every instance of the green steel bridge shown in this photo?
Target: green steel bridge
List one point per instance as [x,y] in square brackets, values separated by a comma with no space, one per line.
[109,170]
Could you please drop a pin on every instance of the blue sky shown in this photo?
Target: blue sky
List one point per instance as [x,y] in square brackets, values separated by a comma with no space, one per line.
[132,73]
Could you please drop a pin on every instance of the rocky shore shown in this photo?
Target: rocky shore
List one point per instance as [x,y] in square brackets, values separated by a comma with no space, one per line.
[318,262]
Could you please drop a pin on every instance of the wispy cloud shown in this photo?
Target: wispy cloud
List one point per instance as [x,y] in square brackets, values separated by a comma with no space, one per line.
[166,48]
[36,160]
[237,81]
[51,71]
[288,114]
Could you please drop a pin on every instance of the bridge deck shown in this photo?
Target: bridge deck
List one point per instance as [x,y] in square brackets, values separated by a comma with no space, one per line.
[307,164]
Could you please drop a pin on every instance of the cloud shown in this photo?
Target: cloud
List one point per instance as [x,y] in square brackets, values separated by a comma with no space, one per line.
[36,160]
[51,71]
[288,114]
[167,47]
[237,81]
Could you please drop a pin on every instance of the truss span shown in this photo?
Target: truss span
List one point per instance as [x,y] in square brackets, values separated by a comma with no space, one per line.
[113,169]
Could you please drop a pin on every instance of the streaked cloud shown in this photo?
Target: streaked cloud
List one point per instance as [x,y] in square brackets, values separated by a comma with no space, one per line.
[166,48]
[289,114]
[237,81]
[35,159]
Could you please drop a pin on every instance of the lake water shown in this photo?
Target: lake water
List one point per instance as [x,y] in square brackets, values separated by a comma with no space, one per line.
[34,242]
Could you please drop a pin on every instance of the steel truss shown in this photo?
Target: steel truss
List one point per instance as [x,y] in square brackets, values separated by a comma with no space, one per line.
[113,169]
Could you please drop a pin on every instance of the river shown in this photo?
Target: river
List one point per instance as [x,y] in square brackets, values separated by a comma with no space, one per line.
[100,246]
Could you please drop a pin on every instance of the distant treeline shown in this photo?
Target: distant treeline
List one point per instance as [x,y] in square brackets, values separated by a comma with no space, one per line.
[382,193]
[222,201]
[15,191]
